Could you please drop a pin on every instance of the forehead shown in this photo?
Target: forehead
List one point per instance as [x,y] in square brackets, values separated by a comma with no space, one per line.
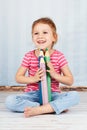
[40,26]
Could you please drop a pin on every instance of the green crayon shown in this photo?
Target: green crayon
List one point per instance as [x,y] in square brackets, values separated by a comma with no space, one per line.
[47,59]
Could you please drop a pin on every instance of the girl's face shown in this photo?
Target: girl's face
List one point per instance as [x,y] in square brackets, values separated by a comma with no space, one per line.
[42,36]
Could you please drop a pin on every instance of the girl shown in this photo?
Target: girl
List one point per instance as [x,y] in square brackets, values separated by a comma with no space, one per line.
[44,36]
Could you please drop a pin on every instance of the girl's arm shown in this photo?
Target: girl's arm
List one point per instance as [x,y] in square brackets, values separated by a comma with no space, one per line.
[22,78]
[66,77]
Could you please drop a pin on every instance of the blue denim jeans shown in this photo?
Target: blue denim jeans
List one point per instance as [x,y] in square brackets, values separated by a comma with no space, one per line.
[60,101]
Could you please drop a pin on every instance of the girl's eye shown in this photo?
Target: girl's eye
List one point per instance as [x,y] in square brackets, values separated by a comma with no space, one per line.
[36,33]
[45,32]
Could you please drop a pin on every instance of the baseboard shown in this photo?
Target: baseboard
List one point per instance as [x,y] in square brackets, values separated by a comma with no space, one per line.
[12,88]
[63,88]
[72,88]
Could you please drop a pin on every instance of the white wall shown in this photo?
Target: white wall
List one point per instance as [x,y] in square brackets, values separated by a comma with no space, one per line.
[16,17]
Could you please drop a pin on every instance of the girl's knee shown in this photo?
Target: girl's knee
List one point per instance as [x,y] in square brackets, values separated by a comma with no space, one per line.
[10,102]
[76,96]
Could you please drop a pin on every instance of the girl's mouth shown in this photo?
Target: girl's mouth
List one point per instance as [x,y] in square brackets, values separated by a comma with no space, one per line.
[41,42]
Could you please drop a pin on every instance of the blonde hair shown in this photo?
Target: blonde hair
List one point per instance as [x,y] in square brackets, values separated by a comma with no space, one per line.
[46,20]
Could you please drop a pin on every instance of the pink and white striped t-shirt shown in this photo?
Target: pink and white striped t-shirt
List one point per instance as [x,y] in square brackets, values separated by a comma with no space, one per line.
[30,61]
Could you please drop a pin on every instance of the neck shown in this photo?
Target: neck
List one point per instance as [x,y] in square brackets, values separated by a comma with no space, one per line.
[37,51]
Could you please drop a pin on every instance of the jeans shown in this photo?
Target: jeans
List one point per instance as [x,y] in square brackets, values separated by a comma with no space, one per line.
[60,101]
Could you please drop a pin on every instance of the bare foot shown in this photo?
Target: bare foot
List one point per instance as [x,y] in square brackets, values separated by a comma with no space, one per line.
[33,111]
[27,111]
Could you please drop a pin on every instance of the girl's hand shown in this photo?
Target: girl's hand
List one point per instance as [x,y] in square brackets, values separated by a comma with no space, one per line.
[39,74]
[51,70]
[21,78]
[66,78]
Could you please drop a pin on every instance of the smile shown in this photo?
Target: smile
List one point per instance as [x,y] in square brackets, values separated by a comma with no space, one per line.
[41,42]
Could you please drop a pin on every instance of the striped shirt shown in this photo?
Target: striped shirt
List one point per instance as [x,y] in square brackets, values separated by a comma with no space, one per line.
[30,61]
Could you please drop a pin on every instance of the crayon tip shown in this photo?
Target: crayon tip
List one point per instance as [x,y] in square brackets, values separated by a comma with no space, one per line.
[42,60]
[41,53]
[46,49]
[41,49]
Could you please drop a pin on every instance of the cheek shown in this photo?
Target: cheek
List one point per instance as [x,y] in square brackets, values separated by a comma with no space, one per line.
[34,39]
[51,40]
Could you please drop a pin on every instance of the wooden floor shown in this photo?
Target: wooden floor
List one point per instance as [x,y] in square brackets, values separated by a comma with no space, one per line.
[74,119]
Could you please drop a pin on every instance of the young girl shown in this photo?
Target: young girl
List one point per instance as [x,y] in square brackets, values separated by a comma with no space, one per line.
[44,36]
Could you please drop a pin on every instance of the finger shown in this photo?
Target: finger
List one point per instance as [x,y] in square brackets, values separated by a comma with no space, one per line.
[39,70]
[49,64]
[41,74]
[48,71]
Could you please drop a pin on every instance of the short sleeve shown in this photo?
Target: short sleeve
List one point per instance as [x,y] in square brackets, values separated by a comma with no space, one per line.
[26,60]
[62,60]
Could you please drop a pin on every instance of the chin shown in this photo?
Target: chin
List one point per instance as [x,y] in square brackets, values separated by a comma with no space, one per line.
[43,48]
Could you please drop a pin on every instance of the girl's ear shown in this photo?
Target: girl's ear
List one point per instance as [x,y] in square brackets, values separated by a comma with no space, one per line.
[55,38]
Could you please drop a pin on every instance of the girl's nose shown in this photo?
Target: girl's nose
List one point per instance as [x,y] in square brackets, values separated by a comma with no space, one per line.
[40,35]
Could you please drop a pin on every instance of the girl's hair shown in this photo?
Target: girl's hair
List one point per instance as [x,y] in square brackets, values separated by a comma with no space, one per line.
[46,20]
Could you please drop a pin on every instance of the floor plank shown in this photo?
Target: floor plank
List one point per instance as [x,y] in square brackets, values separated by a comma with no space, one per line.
[74,119]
